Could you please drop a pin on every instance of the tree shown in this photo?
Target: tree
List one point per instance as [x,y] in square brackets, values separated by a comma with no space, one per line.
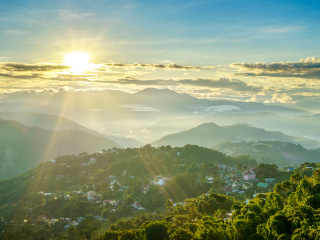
[295,178]
[181,234]
[156,230]
[256,236]
[99,174]
[219,198]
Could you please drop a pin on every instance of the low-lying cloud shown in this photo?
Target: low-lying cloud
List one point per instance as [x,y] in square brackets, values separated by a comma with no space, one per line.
[21,67]
[305,68]
[159,66]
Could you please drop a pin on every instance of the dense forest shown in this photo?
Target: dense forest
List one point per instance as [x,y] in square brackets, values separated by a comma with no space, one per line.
[158,193]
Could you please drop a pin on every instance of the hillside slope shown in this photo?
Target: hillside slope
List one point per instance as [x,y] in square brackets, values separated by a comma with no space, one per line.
[279,153]
[57,123]
[23,147]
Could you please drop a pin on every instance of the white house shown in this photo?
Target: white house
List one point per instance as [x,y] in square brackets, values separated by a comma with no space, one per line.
[162,181]
[91,196]
[249,176]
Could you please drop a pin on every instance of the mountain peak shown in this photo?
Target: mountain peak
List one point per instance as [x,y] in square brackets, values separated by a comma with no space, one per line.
[243,124]
[156,91]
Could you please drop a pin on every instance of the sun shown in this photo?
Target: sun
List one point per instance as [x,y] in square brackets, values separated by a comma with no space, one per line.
[78,61]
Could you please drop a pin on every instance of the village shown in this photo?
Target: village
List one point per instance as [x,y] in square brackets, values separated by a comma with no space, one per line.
[237,180]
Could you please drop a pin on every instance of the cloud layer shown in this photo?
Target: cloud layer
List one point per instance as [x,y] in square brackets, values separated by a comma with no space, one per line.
[160,66]
[305,68]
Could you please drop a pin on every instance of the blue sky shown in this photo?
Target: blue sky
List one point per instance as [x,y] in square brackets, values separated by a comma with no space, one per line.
[188,33]
[194,32]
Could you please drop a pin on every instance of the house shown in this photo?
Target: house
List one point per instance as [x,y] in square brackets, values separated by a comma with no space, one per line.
[162,181]
[249,176]
[227,188]
[269,180]
[74,223]
[235,189]
[123,188]
[41,217]
[91,196]
[145,188]
[80,219]
[67,197]
[209,180]
[53,161]
[92,160]
[246,185]
[137,206]
[111,202]
[262,185]
[98,218]
[290,169]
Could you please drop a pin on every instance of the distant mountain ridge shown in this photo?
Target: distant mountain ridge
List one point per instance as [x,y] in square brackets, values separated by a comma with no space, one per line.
[23,148]
[126,114]
[53,122]
[305,126]
[210,134]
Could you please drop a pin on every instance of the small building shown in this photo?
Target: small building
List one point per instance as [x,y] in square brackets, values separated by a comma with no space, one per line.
[246,185]
[262,185]
[91,196]
[53,161]
[269,180]
[227,188]
[162,181]
[178,153]
[249,176]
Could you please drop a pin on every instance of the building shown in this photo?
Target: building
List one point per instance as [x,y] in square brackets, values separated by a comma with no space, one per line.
[227,188]
[251,176]
[162,181]
[91,196]
[269,180]
[262,185]
[246,185]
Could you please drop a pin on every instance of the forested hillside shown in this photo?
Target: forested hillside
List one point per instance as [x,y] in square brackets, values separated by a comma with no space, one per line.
[23,148]
[160,193]
[280,153]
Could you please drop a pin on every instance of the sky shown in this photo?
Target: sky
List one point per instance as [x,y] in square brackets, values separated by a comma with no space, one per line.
[254,51]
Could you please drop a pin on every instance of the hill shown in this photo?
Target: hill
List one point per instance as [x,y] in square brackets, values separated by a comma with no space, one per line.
[23,148]
[57,123]
[131,168]
[279,153]
[210,134]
